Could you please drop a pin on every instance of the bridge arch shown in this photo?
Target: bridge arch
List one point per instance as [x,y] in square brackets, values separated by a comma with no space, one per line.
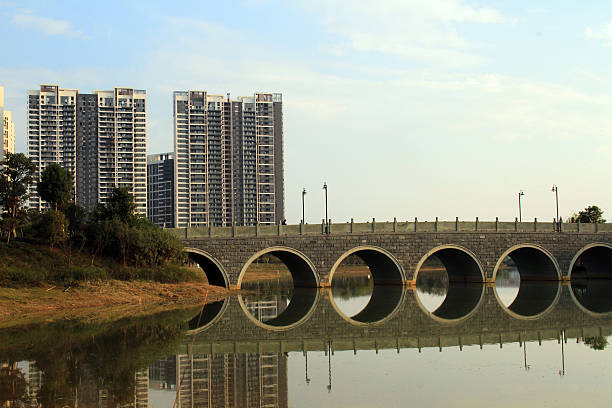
[592,261]
[385,268]
[538,269]
[590,274]
[215,273]
[461,264]
[301,268]
[532,261]
[465,282]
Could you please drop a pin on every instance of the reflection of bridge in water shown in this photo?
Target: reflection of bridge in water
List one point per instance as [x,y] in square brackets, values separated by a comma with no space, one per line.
[226,327]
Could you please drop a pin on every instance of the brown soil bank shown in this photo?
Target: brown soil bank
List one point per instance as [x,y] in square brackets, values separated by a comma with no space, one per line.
[96,299]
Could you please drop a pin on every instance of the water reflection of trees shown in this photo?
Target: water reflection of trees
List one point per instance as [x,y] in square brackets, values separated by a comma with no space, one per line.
[433,281]
[12,384]
[352,286]
[597,342]
[80,362]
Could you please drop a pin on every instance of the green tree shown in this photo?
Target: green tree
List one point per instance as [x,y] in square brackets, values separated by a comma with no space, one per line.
[119,206]
[591,214]
[16,175]
[55,186]
[53,227]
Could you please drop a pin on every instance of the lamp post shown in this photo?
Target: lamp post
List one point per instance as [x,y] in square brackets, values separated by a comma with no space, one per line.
[326,219]
[303,194]
[520,194]
[556,191]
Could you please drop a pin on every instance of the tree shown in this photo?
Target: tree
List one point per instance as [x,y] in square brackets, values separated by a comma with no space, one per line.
[55,186]
[16,175]
[591,214]
[119,206]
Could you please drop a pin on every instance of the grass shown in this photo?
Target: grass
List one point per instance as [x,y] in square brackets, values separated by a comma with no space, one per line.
[24,263]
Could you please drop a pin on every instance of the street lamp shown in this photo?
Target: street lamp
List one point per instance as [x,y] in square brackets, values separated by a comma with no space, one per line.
[303,194]
[520,194]
[556,191]
[326,219]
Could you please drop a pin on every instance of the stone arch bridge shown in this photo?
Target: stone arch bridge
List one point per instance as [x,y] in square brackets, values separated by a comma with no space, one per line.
[395,251]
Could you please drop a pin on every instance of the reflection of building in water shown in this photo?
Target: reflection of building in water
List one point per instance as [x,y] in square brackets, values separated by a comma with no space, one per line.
[34,380]
[264,310]
[162,374]
[232,380]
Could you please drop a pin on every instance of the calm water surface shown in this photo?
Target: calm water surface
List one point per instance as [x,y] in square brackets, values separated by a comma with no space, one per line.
[330,348]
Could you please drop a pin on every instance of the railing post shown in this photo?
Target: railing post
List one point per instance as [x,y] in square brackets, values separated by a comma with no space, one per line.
[515,224]
[554,224]
[394,224]
[186,232]
[323,226]
[302,227]
[415,224]
[456,224]
[476,223]
[233,228]
[278,229]
[257,228]
[535,225]
[496,224]
[329,226]
[352,225]
[560,224]
[596,227]
[209,231]
[373,224]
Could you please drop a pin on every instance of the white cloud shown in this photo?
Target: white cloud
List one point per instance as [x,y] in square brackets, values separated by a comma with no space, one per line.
[407,28]
[46,25]
[604,34]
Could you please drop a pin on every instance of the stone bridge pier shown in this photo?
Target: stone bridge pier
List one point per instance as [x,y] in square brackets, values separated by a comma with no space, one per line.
[396,257]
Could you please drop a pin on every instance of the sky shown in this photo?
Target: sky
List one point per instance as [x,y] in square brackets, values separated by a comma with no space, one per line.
[406,108]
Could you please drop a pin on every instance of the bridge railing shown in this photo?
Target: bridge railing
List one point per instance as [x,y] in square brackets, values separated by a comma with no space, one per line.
[395,226]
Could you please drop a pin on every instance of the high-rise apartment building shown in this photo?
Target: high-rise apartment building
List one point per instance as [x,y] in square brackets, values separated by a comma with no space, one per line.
[7,129]
[160,189]
[228,159]
[100,138]
[8,142]
[112,148]
[51,132]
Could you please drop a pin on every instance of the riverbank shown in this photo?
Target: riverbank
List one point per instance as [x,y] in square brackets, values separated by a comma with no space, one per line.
[94,300]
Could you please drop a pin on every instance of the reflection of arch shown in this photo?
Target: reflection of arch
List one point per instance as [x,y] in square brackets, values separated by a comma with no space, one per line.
[593,296]
[385,269]
[301,306]
[208,315]
[212,268]
[532,262]
[533,300]
[465,278]
[460,263]
[592,261]
[302,270]
[384,302]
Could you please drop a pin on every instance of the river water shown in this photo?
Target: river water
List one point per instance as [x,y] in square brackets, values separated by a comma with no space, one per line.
[349,346]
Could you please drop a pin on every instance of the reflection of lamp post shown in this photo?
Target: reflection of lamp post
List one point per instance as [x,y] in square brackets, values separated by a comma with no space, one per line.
[329,364]
[303,194]
[562,371]
[326,219]
[556,191]
[520,194]
[307,379]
